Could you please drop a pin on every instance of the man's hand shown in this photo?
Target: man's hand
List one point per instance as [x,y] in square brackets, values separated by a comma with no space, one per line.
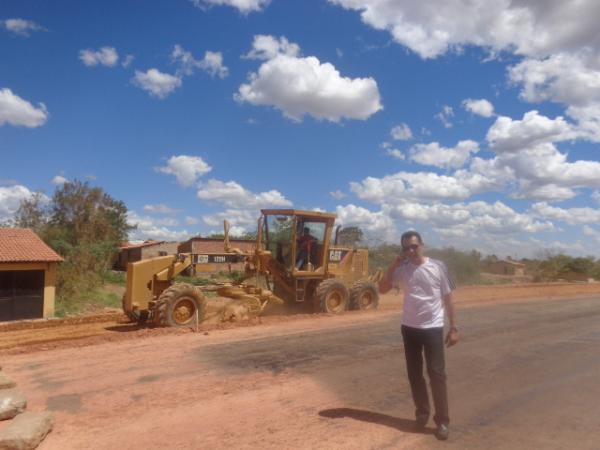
[452,337]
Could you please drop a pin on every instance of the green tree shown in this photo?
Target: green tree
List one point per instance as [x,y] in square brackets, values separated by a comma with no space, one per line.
[85,226]
[464,267]
[350,236]
[33,213]
[581,265]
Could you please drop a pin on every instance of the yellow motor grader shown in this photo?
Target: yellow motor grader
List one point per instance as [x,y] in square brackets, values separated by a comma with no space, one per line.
[293,255]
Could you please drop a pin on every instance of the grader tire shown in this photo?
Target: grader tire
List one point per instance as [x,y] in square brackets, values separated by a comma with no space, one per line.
[177,306]
[332,296]
[364,295]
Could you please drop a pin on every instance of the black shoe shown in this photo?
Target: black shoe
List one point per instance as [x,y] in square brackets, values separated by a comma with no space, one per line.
[442,432]
[420,423]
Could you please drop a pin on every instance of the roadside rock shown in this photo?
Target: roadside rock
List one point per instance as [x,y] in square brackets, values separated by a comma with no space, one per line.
[5,381]
[26,431]
[12,402]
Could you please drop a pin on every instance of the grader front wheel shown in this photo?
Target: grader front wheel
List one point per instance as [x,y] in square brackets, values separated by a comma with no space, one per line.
[178,305]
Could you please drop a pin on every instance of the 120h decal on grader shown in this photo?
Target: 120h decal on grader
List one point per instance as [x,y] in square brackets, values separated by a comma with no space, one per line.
[293,256]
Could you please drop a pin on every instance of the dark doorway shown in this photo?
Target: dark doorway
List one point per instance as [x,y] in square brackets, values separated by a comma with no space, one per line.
[21,294]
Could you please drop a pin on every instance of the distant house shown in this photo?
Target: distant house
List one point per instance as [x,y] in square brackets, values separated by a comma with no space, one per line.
[27,275]
[129,252]
[506,267]
[205,246]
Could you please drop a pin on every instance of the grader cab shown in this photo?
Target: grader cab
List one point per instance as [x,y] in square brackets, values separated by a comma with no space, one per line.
[294,255]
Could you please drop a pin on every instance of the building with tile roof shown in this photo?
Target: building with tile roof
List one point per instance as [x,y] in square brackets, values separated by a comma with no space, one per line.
[132,252]
[27,275]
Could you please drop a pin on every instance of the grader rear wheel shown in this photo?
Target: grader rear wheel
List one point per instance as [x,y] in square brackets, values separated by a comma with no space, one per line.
[178,305]
[364,295]
[332,296]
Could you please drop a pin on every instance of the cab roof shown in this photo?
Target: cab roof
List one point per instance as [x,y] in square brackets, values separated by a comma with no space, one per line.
[300,213]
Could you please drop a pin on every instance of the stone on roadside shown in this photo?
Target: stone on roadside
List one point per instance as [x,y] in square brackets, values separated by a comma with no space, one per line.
[12,402]
[26,431]
[6,382]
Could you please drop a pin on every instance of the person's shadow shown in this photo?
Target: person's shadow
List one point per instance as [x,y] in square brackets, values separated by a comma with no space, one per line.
[398,423]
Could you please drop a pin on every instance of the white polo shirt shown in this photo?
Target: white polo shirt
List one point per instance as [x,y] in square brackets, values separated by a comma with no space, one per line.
[424,288]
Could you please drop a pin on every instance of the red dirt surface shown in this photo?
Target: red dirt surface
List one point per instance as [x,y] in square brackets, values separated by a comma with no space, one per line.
[322,382]
[35,335]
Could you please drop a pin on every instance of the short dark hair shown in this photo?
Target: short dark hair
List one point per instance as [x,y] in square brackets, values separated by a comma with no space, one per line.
[409,234]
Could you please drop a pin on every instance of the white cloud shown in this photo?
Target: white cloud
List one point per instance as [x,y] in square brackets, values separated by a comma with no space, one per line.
[572,79]
[233,195]
[18,112]
[527,27]
[476,224]
[191,220]
[21,27]
[265,47]
[401,132]
[244,6]
[550,192]
[11,198]
[155,228]
[572,216]
[591,232]
[418,185]
[374,223]
[508,135]
[568,78]
[337,194]
[160,208]
[212,63]
[395,153]
[543,169]
[59,179]
[596,195]
[470,219]
[106,56]
[187,169]
[559,42]
[159,84]
[445,116]
[527,148]
[127,60]
[243,219]
[449,158]
[303,85]
[480,107]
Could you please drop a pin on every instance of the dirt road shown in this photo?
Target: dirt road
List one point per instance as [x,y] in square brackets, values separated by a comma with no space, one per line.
[36,335]
[525,376]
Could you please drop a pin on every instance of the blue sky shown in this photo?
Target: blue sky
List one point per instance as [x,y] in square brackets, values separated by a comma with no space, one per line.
[476,123]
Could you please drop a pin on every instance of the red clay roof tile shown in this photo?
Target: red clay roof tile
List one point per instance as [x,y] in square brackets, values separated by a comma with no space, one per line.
[23,245]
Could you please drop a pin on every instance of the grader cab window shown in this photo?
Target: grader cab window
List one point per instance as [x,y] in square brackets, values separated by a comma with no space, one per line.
[309,251]
[279,238]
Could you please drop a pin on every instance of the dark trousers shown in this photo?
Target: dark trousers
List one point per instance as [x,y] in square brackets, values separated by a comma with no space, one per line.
[431,342]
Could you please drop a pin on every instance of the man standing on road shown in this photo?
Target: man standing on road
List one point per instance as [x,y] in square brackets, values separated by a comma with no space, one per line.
[427,294]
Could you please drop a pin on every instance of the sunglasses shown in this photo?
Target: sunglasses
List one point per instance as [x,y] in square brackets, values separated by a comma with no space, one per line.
[412,247]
